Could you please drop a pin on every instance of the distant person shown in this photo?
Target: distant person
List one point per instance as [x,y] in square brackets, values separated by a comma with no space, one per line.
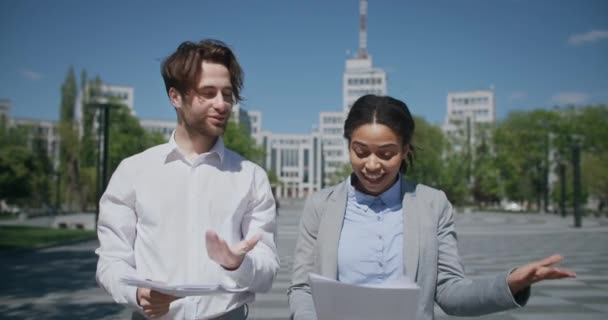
[278,204]
[377,226]
[190,211]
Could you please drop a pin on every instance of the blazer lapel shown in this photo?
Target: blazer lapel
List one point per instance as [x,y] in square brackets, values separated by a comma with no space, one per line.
[329,231]
[411,228]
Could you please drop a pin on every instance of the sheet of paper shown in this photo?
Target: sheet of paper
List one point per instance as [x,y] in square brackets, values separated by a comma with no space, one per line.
[335,300]
[180,290]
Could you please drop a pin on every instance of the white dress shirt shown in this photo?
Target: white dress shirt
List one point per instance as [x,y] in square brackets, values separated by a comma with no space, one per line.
[154,215]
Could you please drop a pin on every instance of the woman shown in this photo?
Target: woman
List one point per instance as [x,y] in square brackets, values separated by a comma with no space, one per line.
[377,226]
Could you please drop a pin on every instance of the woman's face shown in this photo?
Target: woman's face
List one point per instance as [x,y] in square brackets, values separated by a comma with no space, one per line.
[376,154]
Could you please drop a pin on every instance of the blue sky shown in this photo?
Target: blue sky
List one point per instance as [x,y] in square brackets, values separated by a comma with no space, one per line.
[536,54]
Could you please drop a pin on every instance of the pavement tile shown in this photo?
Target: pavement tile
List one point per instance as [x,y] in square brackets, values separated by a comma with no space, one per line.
[488,243]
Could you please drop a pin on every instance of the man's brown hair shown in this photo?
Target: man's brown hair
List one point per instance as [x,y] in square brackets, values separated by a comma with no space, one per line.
[182,69]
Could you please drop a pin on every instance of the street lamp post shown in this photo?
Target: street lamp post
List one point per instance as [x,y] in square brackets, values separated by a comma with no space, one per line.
[562,183]
[576,180]
[103,145]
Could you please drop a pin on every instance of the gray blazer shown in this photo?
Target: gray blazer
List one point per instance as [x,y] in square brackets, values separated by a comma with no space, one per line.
[430,253]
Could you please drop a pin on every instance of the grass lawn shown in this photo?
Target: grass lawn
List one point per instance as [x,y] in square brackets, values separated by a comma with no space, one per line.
[20,237]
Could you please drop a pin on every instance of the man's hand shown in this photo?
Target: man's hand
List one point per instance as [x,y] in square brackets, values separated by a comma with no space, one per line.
[525,276]
[154,303]
[228,257]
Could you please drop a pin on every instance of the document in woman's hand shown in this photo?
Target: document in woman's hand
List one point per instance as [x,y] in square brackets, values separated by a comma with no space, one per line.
[336,300]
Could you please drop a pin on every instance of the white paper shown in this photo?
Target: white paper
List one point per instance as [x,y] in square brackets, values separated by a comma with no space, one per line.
[335,300]
[180,290]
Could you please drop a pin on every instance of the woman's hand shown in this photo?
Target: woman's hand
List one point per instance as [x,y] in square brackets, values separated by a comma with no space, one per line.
[524,276]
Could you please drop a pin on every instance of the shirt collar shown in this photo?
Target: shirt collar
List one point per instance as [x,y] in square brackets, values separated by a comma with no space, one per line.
[173,152]
[390,197]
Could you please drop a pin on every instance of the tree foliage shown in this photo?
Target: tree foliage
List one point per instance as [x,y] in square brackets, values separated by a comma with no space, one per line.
[25,167]
[595,175]
[429,147]
[127,137]
[236,138]
[17,173]
[340,174]
[522,149]
[69,151]
[436,164]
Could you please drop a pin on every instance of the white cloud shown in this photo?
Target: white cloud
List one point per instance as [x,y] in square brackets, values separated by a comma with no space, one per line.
[518,95]
[591,36]
[31,75]
[566,98]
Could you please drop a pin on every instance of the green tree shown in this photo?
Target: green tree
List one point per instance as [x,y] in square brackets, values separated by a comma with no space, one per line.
[13,136]
[436,163]
[273,179]
[522,154]
[485,175]
[236,138]
[70,143]
[18,169]
[127,137]
[586,127]
[430,146]
[591,125]
[454,179]
[88,150]
[340,174]
[595,175]
[43,174]
[25,167]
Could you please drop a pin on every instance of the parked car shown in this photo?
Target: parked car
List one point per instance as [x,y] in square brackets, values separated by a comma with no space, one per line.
[513,206]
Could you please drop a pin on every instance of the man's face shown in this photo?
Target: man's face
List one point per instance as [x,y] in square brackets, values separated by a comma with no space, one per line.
[376,154]
[207,108]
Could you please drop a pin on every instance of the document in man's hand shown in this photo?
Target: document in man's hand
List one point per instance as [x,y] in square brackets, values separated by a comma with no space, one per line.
[180,290]
[336,300]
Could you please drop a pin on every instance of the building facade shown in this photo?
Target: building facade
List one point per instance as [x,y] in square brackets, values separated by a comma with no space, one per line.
[164,127]
[466,113]
[255,120]
[295,159]
[103,93]
[359,78]
[45,130]
[5,110]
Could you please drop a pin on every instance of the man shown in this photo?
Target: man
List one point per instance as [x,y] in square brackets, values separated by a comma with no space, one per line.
[190,211]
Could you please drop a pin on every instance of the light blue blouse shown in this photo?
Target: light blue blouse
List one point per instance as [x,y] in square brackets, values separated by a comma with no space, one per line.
[370,250]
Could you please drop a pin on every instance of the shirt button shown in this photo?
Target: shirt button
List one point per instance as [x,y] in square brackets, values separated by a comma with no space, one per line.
[380,264]
[379,218]
[380,237]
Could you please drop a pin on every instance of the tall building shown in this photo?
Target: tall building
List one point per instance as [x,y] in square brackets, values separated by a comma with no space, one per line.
[103,93]
[239,115]
[5,111]
[359,78]
[465,112]
[45,130]
[255,119]
[335,151]
[164,127]
[295,159]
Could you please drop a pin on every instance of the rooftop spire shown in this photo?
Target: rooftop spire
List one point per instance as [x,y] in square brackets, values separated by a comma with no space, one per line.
[362,54]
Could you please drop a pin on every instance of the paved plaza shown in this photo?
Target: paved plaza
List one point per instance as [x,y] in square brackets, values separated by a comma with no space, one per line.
[58,282]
